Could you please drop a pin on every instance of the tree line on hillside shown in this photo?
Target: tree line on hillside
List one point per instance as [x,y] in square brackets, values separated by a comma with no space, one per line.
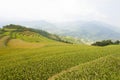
[13,26]
[106,42]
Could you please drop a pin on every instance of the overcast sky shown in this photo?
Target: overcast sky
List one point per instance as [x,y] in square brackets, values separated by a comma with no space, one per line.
[61,10]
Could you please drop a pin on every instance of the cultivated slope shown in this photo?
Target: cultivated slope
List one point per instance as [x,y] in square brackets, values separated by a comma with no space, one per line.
[22,37]
[3,41]
[43,63]
[105,68]
[30,55]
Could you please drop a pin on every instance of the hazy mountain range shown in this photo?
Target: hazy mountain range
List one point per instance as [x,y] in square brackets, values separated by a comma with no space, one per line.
[92,30]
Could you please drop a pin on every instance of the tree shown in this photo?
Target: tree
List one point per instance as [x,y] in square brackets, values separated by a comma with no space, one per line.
[117,42]
[103,43]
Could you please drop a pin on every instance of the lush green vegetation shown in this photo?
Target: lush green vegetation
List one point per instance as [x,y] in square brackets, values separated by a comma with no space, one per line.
[105,68]
[28,55]
[18,28]
[106,42]
[42,63]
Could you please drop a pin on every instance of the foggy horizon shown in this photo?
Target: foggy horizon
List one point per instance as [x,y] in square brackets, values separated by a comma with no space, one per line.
[58,11]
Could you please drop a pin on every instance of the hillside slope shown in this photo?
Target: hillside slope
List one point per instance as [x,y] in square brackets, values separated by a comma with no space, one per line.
[29,31]
[105,68]
[43,63]
[3,41]
[27,54]
[22,37]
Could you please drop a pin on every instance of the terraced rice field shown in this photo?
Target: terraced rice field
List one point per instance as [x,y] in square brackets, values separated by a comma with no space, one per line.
[4,40]
[104,68]
[23,58]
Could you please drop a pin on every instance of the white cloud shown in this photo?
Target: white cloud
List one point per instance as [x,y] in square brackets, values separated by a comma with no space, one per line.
[44,9]
[57,10]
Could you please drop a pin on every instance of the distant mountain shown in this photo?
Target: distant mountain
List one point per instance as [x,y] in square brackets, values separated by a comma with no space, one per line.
[90,30]
[43,25]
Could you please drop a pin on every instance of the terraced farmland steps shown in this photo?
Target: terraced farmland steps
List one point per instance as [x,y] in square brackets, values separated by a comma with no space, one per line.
[109,69]
[3,41]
